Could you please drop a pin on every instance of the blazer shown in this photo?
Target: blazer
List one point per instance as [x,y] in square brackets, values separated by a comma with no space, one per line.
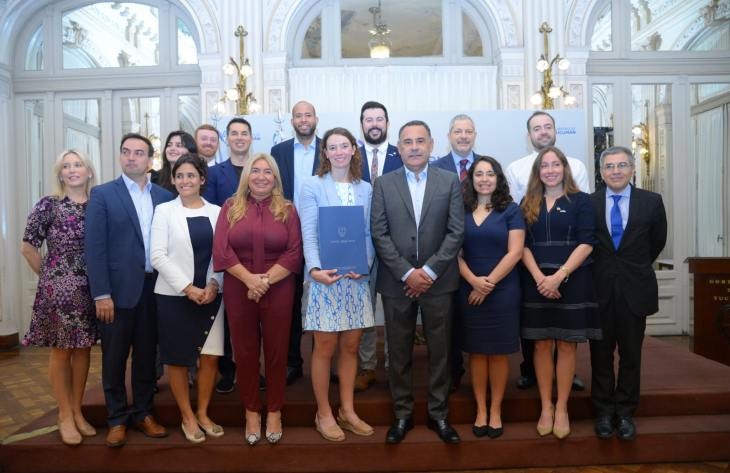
[222,183]
[113,244]
[447,162]
[392,161]
[627,271]
[321,192]
[439,234]
[283,154]
[171,250]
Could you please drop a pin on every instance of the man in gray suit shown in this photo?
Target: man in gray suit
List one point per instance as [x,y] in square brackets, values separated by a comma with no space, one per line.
[417,232]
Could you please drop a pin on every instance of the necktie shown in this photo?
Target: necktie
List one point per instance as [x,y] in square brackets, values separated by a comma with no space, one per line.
[617,228]
[374,165]
[462,169]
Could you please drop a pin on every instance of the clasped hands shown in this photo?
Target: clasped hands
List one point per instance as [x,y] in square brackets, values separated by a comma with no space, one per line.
[417,283]
[481,288]
[258,285]
[202,296]
[548,286]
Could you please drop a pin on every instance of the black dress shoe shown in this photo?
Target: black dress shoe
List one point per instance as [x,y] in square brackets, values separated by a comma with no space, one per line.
[578,384]
[494,432]
[444,430]
[225,385]
[479,430]
[604,427]
[626,428]
[398,430]
[526,382]
[293,373]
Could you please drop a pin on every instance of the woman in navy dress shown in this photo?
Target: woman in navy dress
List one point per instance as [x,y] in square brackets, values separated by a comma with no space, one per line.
[63,312]
[494,236]
[559,300]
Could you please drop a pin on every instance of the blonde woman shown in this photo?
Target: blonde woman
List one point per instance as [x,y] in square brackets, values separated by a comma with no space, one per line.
[64,317]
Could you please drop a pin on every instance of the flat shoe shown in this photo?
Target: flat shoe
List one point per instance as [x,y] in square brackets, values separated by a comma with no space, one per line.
[86,429]
[361,428]
[196,437]
[214,430]
[333,434]
[494,432]
[71,439]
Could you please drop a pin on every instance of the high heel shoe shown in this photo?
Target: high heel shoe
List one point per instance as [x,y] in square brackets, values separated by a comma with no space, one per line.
[546,428]
[274,437]
[333,433]
[196,437]
[69,438]
[358,428]
[563,431]
[252,438]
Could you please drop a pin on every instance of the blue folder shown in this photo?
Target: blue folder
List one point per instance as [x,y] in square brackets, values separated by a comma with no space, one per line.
[342,239]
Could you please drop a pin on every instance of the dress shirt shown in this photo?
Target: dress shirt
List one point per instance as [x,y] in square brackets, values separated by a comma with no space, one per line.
[417,189]
[303,163]
[382,153]
[457,160]
[623,205]
[142,200]
[518,173]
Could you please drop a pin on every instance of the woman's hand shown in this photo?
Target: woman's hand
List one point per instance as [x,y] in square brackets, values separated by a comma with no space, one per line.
[195,294]
[352,275]
[476,297]
[325,276]
[258,284]
[482,285]
[548,286]
[211,291]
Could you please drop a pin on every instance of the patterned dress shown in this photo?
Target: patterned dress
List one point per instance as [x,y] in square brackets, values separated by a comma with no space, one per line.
[344,305]
[63,311]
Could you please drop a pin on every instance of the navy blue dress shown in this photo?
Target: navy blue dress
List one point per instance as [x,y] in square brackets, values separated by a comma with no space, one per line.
[493,327]
[552,238]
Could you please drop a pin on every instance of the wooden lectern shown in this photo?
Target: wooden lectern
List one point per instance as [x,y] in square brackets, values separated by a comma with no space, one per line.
[711,307]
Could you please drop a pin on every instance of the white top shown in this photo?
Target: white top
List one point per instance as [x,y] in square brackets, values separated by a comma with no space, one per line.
[303,163]
[518,173]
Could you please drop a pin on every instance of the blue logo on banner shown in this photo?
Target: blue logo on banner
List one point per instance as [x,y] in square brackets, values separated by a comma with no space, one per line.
[566,130]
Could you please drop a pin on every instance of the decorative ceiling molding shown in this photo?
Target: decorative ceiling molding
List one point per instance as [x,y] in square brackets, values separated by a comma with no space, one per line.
[578,27]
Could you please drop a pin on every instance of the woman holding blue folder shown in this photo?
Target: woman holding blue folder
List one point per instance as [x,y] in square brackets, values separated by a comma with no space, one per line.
[338,305]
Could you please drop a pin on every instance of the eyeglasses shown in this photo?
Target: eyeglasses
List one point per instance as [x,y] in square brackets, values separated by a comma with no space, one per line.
[622,166]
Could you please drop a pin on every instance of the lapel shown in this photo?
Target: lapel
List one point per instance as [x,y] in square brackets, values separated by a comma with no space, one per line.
[431,186]
[602,212]
[330,191]
[180,221]
[365,164]
[315,161]
[128,205]
[401,187]
[450,163]
[634,207]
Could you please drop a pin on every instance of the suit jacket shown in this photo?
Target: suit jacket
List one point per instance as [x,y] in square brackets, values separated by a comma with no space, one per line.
[627,271]
[392,161]
[171,250]
[321,192]
[114,248]
[222,183]
[447,162]
[283,154]
[439,234]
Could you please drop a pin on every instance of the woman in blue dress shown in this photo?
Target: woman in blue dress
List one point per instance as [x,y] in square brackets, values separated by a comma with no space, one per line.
[494,236]
[559,300]
[338,305]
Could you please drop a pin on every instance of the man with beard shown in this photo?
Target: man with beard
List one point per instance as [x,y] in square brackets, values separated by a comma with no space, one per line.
[541,131]
[208,140]
[378,157]
[297,159]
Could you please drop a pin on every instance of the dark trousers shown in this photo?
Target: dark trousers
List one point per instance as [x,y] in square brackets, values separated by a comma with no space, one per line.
[226,365]
[134,328]
[401,314]
[622,329]
[294,357]
[457,357]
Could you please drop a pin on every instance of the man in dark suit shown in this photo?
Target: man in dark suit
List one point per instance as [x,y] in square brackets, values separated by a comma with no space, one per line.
[417,226]
[378,157]
[121,280]
[222,183]
[297,159]
[631,231]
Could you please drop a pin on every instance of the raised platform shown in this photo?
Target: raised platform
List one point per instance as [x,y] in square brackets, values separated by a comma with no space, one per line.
[684,415]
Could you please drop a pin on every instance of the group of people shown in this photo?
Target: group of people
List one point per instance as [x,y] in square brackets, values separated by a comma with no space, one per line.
[207,265]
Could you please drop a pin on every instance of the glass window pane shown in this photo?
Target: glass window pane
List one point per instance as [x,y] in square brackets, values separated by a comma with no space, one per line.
[111,35]
[82,128]
[34,118]
[601,38]
[398,28]
[34,53]
[472,41]
[679,25]
[187,50]
[188,112]
[602,125]
[312,47]
[142,115]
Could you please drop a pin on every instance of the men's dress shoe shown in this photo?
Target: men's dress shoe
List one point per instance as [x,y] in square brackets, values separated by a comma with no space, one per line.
[398,430]
[151,428]
[526,382]
[117,436]
[494,432]
[626,428]
[443,429]
[479,430]
[226,385]
[604,427]
[578,384]
[364,379]
[293,373]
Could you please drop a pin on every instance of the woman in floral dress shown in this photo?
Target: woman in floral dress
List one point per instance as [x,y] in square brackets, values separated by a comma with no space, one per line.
[63,312]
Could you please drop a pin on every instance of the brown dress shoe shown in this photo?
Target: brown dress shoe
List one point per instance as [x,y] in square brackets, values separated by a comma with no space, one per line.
[151,428]
[117,436]
[364,380]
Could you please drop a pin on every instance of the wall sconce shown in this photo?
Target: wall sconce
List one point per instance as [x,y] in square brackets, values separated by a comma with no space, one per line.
[550,91]
[245,101]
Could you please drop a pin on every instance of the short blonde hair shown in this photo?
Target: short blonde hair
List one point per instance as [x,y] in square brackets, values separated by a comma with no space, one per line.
[59,189]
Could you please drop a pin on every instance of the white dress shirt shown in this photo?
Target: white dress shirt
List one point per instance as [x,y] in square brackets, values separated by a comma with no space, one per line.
[623,205]
[303,163]
[518,173]
[417,189]
[142,200]
[382,153]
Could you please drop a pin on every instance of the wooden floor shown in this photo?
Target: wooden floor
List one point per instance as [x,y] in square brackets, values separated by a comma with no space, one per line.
[25,395]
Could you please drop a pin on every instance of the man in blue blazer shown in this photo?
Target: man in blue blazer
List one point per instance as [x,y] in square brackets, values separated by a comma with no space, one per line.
[297,158]
[121,280]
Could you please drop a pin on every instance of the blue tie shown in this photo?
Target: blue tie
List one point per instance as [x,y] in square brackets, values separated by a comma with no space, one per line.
[617,228]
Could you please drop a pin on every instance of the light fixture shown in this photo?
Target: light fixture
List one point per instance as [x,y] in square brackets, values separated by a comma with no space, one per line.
[549,92]
[380,43]
[245,101]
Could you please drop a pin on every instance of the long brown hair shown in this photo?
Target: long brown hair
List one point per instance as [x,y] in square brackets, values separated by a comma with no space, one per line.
[355,163]
[279,206]
[536,189]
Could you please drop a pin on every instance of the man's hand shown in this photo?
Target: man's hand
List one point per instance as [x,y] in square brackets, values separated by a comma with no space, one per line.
[417,283]
[105,310]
